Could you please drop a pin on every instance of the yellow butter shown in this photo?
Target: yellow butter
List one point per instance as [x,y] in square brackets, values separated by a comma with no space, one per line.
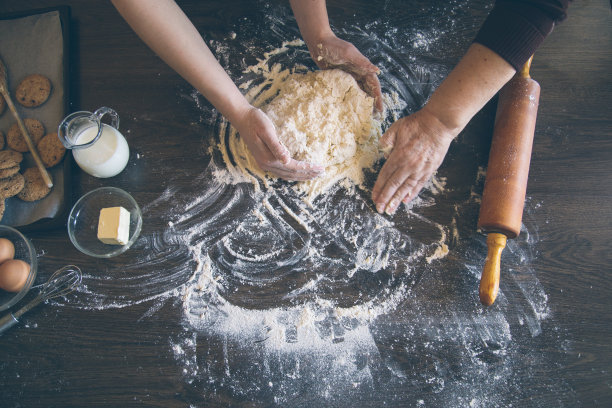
[114,226]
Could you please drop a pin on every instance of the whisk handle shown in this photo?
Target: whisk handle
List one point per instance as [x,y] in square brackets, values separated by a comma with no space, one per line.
[11,319]
[7,322]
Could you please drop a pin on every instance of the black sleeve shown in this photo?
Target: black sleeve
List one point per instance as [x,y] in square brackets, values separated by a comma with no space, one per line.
[515,28]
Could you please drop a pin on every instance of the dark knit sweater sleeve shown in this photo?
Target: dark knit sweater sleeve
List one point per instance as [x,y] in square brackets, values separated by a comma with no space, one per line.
[515,28]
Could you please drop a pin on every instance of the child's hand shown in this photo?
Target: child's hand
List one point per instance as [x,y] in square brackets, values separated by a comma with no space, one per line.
[259,134]
[332,52]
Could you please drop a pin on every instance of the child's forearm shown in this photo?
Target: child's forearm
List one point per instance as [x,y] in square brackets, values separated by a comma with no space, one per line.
[312,19]
[163,26]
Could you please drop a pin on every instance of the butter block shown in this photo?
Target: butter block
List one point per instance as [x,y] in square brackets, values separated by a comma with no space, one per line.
[114,226]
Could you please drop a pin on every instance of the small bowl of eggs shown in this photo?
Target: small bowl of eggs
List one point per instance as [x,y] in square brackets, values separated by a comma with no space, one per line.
[17,266]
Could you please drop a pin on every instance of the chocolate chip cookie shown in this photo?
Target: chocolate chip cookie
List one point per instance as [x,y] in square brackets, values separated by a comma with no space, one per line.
[10,158]
[35,187]
[16,141]
[51,150]
[11,186]
[33,90]
[11,171]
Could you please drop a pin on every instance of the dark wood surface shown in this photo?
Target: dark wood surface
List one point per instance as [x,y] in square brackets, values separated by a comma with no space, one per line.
[118,342]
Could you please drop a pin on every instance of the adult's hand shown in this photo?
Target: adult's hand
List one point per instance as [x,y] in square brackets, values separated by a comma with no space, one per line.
[419,142]
[415,146]
[271,155]
[332,52]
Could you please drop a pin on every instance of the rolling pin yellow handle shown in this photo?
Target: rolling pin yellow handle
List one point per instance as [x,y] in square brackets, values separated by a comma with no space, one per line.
[524,73]
[489,281]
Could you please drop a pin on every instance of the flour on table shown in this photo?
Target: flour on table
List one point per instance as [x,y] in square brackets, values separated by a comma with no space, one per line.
[229,242]
[323,117]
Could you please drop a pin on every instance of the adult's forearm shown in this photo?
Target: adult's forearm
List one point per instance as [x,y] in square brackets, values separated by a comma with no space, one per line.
[163,26]
[480,74]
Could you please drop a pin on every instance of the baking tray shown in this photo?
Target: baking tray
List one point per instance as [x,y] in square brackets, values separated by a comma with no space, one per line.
[52,211]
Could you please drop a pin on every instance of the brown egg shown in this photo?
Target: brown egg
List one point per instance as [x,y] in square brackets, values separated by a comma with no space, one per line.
[7,250]
[14,274]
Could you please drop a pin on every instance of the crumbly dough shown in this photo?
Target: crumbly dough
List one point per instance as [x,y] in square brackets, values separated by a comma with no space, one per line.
[324,117]
[321,116]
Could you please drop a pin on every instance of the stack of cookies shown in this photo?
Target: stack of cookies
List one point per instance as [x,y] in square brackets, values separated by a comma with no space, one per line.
[27,183]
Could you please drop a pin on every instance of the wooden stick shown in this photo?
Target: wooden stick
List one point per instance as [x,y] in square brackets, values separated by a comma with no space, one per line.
[26,136]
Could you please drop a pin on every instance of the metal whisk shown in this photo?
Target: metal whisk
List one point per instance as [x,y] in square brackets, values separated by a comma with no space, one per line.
[62,282]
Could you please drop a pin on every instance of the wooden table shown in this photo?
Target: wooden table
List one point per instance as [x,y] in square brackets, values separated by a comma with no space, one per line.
[131,336]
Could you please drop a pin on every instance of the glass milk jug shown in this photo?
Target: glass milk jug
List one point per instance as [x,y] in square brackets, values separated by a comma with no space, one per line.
[99,149]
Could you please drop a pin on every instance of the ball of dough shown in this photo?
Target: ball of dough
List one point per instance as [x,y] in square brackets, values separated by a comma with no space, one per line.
[322,116]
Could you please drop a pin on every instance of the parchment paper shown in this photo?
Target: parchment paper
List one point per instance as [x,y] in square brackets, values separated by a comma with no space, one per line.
[34,45]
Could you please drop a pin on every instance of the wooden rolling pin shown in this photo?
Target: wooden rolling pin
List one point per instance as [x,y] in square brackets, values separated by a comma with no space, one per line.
[503,198]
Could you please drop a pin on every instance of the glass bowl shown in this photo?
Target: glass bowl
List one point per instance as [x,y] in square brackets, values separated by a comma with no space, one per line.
[24,250]
[83,221]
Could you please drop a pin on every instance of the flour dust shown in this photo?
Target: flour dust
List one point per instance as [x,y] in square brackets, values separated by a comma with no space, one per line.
[289,301]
